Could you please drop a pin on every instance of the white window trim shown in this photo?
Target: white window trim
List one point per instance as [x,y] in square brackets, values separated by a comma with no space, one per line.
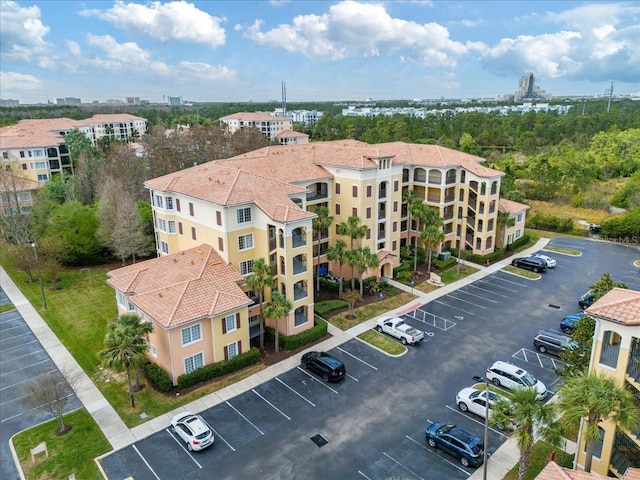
[161,224]
[121,299]
[232,319]
[245,262]
[154,351]
[248,238]
[171,224]
[243,210]
[184,361]
[191,334]
[235,345]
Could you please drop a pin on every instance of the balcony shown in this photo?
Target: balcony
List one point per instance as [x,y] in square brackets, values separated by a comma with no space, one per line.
[299,266]
[298,241]
[382,214]
[318,191]
[299,291]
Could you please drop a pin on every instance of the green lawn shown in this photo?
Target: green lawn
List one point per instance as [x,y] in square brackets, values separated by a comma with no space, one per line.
[384,343]
[539,458]
[70,453]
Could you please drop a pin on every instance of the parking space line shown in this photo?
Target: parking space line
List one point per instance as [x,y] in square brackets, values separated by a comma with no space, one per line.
[363,475]
[271,404]
[447,323]
[470,417]
[13,328]
[145,461]
[179,442]
[221,438]
[401,465]
[467,301]
[16,336]
[488,291]
[248,421]
[352,377]
[508,280]
[297,393]
[541,357]
[21,356]
[30,410]
[438,456]
[316,380]
[23,368]
[498,286]
[479,296]
[17,347]
[27,380]
[453,306]
[357,358]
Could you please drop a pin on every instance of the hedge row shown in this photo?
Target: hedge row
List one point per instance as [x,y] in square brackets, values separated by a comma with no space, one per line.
[291,342]
[158,377]
[550,223]
[478,259]
[219,369]
[518,243]
[326,306]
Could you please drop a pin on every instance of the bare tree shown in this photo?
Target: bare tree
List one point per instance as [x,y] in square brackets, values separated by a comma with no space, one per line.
[52,391]
[15,224]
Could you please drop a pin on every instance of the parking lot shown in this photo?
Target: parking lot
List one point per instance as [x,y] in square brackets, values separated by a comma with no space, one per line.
[371,425]
[22,359]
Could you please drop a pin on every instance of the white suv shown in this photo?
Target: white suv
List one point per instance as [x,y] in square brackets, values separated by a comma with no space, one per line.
[510,376]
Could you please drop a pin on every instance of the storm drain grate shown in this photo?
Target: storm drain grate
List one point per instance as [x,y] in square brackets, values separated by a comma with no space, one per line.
[554,306]
[319,440]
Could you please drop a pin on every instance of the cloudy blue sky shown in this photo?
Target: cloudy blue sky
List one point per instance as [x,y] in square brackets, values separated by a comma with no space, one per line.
[323,50]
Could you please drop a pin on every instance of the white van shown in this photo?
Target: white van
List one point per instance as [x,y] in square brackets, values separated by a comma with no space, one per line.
[510,376]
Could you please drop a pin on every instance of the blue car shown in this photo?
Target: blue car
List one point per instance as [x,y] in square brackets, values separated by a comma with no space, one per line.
[568,323]
[456,441]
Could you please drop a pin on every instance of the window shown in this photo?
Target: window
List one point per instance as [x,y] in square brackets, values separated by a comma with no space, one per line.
[230,323]
[154,351]
[180,228]
[164,246]
[337,209]
[158,200]
[193,233]
[369,191]
[121,299]
[518,233]
[231,350]
[43,177]
[246,267]
[244,215]
[354,211]
[395,206]
[218,218]
[368,212]
[337,189]
[22,154]
[220,244]
[368,235]
[161,224]
[191,335]
[131,307]
[169,201]
[354,191]
[194,362]
[396,185]
[177,204]
[245,242]
[172,226]
[519,218]
[394,227]
[394,245]
[191,209]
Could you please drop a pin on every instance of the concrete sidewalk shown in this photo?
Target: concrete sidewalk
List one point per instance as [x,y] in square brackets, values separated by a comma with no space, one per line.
[119,436]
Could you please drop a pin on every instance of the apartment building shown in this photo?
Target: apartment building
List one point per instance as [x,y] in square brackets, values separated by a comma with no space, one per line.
[269,125]
[616,352]
[517,212]
[291,137]
[36,146]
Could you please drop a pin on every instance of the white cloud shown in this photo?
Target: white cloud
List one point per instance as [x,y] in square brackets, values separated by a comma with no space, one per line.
[177,20]
[22,31]
[350,29]
[18,82]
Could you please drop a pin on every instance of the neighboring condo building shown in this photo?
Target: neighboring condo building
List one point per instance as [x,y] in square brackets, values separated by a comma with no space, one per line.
[260,205]
[616,353]
[269,125]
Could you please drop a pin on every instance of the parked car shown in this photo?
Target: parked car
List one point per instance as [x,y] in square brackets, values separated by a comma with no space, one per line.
[568,323]
[532,263]
[587,299]
[548,341]
[549,262]
[594,228]
[396,327]
[474,401]
[193,430]
[329,368]
[510,376]
[456,441]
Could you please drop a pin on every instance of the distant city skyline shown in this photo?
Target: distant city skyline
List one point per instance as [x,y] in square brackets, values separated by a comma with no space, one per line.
[231,51]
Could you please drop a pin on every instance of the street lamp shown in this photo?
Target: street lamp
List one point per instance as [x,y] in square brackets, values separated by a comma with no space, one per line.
[35,251]
[462,233]
[486,429]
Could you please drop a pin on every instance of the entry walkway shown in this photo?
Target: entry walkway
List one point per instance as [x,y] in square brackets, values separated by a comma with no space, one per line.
[120,436]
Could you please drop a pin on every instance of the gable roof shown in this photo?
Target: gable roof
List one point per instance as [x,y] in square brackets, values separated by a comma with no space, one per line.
[510,206]
[553,471]
[619,305]
[182,287]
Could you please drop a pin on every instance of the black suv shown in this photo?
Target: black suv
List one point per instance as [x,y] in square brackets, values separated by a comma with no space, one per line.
[548,341]
[329,368]
[587,299]
[534,264]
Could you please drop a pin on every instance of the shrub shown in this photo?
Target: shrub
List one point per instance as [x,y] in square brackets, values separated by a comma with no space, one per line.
[329,286]
[291,342]
[158,377]
[518,243]
[219,369]
[477,259]
[326,306]
[444,264]
[550,223]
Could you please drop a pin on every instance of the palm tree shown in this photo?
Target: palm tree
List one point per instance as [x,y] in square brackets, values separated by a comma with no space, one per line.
[504,220]
[322,222]
[592,399]
[278,308]
[137,329]
[533,419]
[338,254]
[426,217]
[125,346]
[352,228]
[410,197]
[362,259]
[431,237]
[261,277]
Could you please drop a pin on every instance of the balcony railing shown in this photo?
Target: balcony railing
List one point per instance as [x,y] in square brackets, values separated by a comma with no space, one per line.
[299,267]
[382,214]
[299,292]
[298,241]
[318,194]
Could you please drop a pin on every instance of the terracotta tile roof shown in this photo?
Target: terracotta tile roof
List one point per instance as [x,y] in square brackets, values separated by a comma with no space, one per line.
[222,184]
[19,184]
[182,287]
[510,206]
[291,134]
[620,305]
[553,471]
[255,117]
[437,156]
[631,474]
[109,118]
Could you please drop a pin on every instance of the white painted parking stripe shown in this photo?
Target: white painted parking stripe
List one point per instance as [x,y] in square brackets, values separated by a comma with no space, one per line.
[357,358]
[25,367]
[17,347]
[498,286]
[478,296]
[509,280]
[447,323]
[363,475]
[470,417]
[438,456]
[488,291]
[145,462]
[26,380]
[271,404]
[4,330]
[352,377]
[401,465]
[30,410]
[221,438]
[316,380]
[21,356]
[453,306]
[467,301]
[180,443]
[301,396]
[16,336]
[247,420]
